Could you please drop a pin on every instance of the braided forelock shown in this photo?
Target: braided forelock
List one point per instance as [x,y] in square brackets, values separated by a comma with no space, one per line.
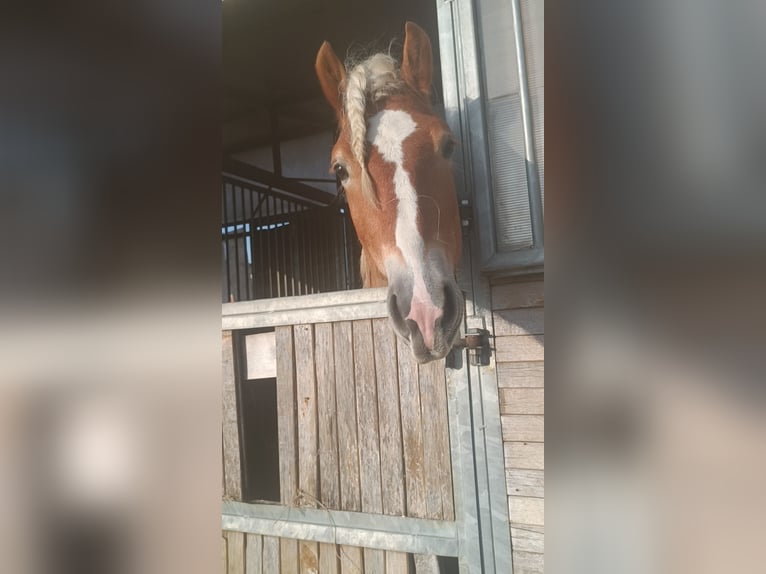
[369,80]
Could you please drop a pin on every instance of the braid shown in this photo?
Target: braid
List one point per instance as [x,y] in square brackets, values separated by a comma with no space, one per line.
[370,80]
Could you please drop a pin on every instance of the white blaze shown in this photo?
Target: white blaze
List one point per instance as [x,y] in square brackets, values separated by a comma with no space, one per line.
[387,132]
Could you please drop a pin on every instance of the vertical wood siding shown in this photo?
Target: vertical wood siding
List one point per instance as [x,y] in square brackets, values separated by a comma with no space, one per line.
[518,313]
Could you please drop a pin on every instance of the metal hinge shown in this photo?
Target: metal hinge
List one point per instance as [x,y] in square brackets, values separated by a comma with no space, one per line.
[477,342]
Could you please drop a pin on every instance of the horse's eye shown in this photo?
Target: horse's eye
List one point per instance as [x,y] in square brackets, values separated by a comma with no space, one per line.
[341,173]
[447,147]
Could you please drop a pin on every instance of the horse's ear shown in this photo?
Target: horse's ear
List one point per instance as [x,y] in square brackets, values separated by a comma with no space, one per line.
[417,62]
[331,74]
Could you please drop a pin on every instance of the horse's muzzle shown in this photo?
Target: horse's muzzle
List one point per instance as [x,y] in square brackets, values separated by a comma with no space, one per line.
[431,327]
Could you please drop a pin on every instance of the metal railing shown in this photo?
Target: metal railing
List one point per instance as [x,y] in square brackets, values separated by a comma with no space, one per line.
[276,244]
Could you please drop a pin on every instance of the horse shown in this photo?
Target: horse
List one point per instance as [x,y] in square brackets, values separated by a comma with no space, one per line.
[392,160]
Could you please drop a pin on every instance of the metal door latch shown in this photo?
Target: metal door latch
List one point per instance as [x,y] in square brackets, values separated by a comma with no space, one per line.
[477,342]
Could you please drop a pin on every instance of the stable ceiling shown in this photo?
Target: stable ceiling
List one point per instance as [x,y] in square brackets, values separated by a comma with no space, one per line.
[269,48]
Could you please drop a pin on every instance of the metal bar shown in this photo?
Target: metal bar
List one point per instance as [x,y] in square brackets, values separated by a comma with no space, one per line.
[236,242]
[266,189]
[396,533]
[226,242]
[533,179]
[240,169]
[335,306]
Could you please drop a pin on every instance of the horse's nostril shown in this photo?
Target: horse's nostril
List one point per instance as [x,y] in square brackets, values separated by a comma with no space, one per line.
[396,315]
[453,311]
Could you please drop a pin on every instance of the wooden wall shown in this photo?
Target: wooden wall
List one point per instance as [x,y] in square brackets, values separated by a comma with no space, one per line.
[361,427]
[254,554]
[518,326]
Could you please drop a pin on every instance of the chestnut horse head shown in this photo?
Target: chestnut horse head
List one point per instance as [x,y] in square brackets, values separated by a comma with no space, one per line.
[392,158]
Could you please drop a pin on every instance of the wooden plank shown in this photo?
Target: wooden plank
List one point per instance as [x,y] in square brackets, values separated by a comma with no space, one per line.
[392,477]
[329,562]
[528,537]
[309,557]
[444,452]
[396,563]
[288,452]
[288,556]
[374,561]
[254,554]
[306,400]
[528,563]
[529,455]
[345,395]
[232,468]
[224,554]
[522,374]
[522,401]
[523,428]
[520,348]
[270,555]
[519,321]
[236,552]
[518,295]
[351,560]
[412,432]
[431,376]
[329,478]
[308,437]
[522,482]
[367,413]
[286,416]
[527,510]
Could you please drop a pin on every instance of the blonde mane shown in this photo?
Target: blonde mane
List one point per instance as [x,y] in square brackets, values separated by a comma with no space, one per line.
[368,81]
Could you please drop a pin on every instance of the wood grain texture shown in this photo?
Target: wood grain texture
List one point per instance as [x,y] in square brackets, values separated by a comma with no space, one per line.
[518,295]
[528,563]
[288,556]
[374,561]
[527,510]
[224,554]
[431,428]
[523,428]
[520,348]
[367,413]
[329,559]
[271,554]
[306,400]
[519,321]
[412,433]
[308,437]
[438,469]
[521,374]
[308,553]
[254,554]
[345,397]
[391,457]
[288,452]
[286,416]
[329,477]
[351,560]
[523,482]
[236,552]
[232,468]
[522,401]
[530,455]
[396,563]
[444,452]
[528,537]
